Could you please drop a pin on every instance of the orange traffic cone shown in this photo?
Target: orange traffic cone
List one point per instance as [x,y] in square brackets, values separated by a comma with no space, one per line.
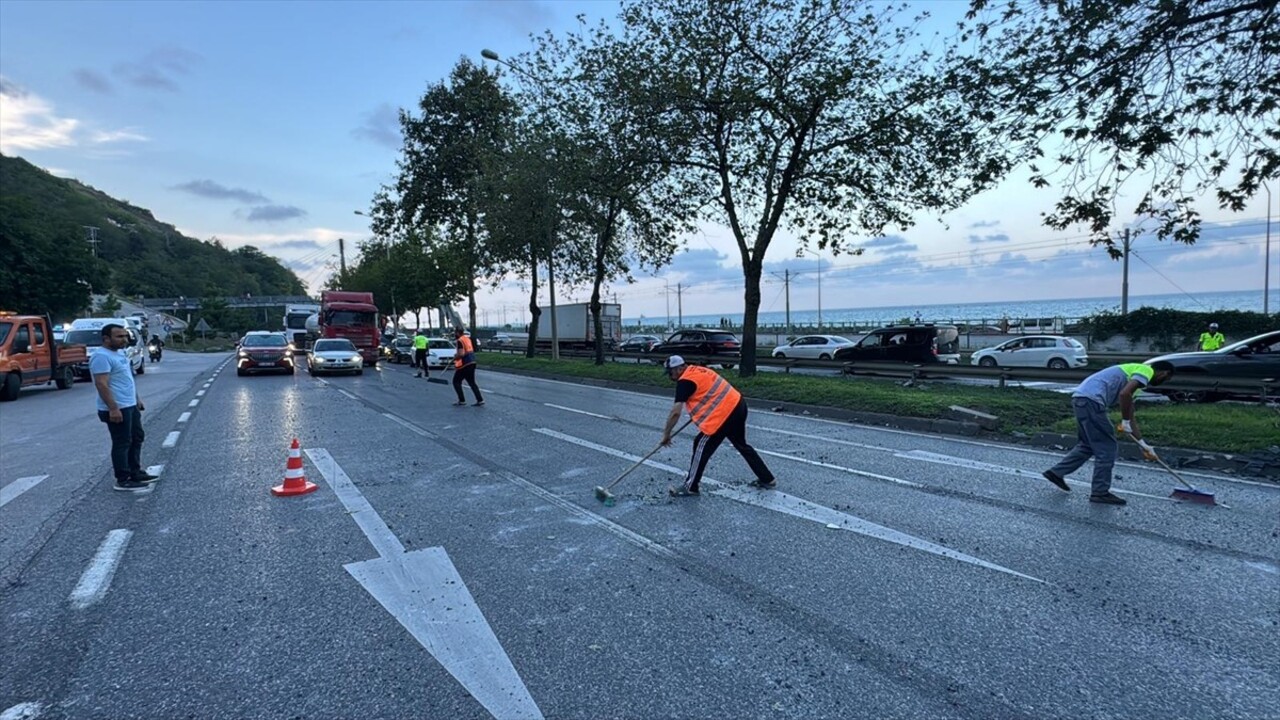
[295,483]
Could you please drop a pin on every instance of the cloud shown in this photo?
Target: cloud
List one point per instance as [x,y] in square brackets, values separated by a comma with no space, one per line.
[29,122]
[998,237]
[702,265]
[109,136]
[898,249]
[275,213]
[382,126]
[159,69]
[214,191]
[93,81]
[307,245]
[984,224]
[523,16]
[884,242]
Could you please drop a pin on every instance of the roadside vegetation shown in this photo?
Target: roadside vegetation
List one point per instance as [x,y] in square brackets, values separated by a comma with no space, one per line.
[1222,427]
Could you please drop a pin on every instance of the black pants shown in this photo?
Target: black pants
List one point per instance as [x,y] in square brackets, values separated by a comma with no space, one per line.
[420,359]
[735,430]
[468,373]
[126,442]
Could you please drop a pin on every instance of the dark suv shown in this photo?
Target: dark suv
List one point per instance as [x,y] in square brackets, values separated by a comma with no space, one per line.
[906,343]
[700,343]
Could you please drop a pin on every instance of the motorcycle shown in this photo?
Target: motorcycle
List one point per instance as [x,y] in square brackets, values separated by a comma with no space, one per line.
[156,351]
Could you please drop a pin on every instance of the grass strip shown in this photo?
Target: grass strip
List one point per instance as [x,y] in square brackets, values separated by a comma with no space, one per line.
[1220,427]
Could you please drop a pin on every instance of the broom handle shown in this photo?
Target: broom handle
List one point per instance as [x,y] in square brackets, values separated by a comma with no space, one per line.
[646,457]
[1165,465]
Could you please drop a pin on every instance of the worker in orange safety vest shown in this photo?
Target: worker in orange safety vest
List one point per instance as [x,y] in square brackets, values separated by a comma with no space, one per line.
[719,411]
[464,363]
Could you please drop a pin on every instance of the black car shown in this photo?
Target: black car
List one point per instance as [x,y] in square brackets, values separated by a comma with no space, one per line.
[921,344]
[700,343]
[639,343]
[1257,358]
[399,350]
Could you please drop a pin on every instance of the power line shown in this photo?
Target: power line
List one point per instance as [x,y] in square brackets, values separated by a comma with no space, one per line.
[1166,277]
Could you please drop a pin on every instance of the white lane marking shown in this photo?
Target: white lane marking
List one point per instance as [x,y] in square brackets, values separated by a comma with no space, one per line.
[383,540]
[193,403]
[580,412]
[411,426]
[951,461]
[19,486]
[200,393]
[798,507]
[821,438]
[184,417]
[841,468]
[96,579]
[171,439]
[425,593]
[349,395]
[1264,567]
[23,711]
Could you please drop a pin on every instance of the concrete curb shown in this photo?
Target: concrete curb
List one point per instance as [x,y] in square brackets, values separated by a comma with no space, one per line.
[1257,465]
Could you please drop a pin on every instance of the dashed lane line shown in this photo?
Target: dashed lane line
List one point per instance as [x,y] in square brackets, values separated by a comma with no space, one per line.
[952,461]
[96,579]
[23,711]
[193,403]
[11,491]
[580,412]
[184,417]
[841,468]
[171,439]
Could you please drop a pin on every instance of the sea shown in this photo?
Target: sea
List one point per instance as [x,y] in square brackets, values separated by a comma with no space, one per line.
[989,313]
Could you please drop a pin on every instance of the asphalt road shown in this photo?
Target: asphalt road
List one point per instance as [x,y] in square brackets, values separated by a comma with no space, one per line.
[454,562]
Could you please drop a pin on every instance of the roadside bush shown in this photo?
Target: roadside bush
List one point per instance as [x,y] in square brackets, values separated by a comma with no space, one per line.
[1170,330]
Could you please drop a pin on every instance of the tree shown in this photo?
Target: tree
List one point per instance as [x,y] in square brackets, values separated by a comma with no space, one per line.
[1169,99]
[813,116]
[110,305]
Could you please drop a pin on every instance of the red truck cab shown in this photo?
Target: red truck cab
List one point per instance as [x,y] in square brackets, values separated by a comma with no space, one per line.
[351,315]
[29,355]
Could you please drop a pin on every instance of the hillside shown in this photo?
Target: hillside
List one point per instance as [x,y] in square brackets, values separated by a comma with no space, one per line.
[47,264]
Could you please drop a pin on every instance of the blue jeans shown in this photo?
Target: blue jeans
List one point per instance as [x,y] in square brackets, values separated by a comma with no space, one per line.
[126,442]
[1097,439]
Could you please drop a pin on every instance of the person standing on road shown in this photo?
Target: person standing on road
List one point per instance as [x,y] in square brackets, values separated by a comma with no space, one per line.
[420,353]
[464,363]
[1097,437]
[720,412]
[120,408]
[1212,340]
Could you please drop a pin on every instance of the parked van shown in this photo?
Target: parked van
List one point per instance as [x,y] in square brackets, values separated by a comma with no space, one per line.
[88,331]
[926,343]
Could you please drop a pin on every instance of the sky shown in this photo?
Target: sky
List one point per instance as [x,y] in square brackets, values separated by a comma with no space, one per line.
[271,123]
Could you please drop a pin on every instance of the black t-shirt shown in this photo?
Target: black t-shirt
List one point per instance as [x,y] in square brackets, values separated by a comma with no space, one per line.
[685,390]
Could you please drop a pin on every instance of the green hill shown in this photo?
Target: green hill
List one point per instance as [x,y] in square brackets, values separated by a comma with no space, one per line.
[47,264]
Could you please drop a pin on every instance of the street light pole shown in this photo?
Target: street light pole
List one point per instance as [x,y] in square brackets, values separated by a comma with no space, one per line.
[819,256]
[1266,274]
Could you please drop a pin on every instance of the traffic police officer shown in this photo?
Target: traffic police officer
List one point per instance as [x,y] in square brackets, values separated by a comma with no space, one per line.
[420,353]
[1212,340]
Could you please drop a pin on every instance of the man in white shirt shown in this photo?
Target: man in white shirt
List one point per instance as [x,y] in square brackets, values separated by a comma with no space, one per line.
[120,408]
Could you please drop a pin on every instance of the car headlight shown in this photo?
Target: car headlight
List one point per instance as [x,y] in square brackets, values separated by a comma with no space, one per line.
[317,360]
[356,358]
[243,354]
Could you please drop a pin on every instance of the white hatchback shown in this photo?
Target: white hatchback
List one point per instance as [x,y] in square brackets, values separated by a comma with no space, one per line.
[440,352]
[813,347]
[1046,351]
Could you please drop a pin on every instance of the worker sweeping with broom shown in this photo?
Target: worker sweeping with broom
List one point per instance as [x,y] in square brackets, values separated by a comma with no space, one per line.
[720,412]
[1097,438]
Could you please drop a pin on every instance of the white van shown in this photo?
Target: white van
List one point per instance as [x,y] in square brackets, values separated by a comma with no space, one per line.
[88,331]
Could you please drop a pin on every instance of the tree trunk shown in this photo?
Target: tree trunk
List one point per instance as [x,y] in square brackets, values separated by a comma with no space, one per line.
[532,347]
[751,310]
[417,318]
[603,239]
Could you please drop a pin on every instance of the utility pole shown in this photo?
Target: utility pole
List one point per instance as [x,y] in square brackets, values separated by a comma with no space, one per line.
[342,260]
[667,296]
[680,304]
[1127,239]
[1266,274]
[786,284]
[91,234]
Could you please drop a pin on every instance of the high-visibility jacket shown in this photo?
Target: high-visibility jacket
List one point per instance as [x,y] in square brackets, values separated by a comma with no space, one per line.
[1212,341]
[713,400]
[420,342]
[466,353]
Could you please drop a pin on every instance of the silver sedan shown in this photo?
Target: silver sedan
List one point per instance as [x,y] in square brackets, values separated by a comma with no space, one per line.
[335,355]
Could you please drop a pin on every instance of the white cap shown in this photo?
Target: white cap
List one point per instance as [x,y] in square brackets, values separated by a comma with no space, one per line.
[673,361]
[1213,325]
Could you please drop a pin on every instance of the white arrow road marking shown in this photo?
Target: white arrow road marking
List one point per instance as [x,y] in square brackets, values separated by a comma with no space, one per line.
[424,592]
[797,507]
[17,487]
[925,456]
[96,579]
[580,412]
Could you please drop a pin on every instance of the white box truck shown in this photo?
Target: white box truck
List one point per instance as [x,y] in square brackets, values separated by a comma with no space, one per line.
[575,327]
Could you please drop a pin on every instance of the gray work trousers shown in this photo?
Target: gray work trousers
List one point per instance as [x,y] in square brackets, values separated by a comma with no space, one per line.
[1097,439]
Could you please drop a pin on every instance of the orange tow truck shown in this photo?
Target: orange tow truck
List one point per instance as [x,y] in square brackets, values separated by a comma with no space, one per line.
[30,356]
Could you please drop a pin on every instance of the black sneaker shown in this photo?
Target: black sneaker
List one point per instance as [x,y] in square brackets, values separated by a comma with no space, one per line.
[764,485]
[480,404]
[683,491]
[145,477]
[129,486]
[1057,480]
[1108,499]
[460,403]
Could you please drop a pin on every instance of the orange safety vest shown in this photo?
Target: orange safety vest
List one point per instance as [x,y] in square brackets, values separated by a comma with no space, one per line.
[466,354]
[713,400]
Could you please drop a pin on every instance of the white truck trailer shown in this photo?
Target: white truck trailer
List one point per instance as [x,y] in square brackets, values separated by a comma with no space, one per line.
[575,328]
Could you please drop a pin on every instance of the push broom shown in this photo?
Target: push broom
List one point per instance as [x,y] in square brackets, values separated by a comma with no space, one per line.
[1190,493]
[602,492]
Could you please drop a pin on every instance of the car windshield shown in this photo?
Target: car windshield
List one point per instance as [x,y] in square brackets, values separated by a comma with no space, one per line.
[440,344]
[264,341]
[351,318]
[1262,343]
[334,346]
[296,321]
[92,338]
[403,342]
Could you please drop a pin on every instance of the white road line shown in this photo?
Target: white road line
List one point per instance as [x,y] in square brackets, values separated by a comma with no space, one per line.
[171,439]
[425,593]
[411,426]
[23,711]
[193,403]
[17,487]
[580,412]
[347,394]
[184,417]
[952,461]
[807,436]
[200,393]
[96,579]
[798,507]
[841,468]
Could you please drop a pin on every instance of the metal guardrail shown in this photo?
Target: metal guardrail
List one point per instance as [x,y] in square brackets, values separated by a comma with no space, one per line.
[1263,388]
